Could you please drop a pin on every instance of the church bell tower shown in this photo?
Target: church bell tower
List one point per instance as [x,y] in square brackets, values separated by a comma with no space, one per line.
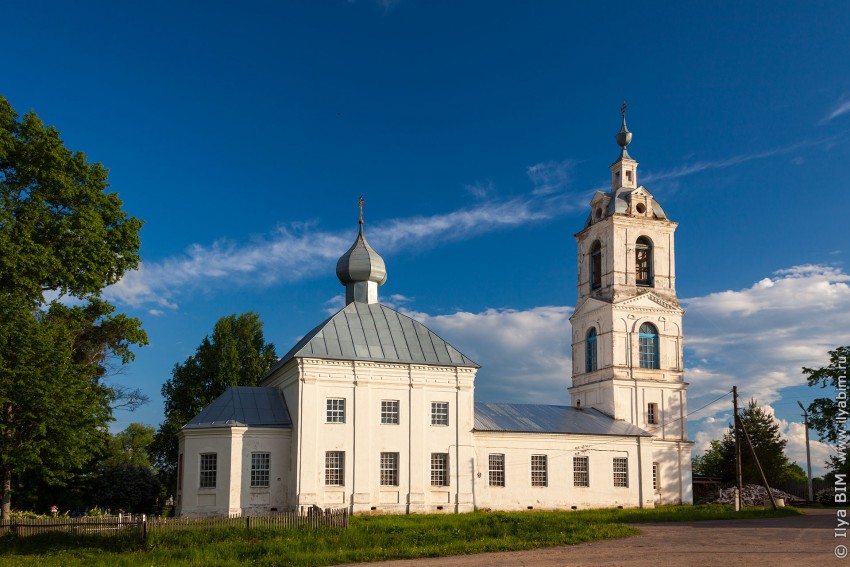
[627,325]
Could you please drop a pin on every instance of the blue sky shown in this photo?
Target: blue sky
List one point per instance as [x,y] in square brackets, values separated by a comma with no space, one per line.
[476,131]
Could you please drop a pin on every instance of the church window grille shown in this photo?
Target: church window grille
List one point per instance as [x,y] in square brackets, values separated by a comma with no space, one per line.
[595,266]
[439,469]
[648,338]
[643,262]
[590,351]
[439,413]
[260,466]
[335,468]
[655,482]
[581,471]
[389,469]
[389,411]
[621,472]
[209,462]
[336,410]
[497,470]
[539,470]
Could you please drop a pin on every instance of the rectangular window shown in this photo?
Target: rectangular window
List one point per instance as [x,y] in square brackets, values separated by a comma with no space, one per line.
[439,413]
[497,470]
[439,469]
[260,466]
[389,469]
[581,471]
[621,472]
[334,468]
[180,472]
[208,469]
[595,269]
[389,411]
[652,414]
[539,473]
[336,410]
[655,476]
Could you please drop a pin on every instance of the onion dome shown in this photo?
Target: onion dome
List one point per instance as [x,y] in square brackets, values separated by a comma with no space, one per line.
[361,263]
[361,270]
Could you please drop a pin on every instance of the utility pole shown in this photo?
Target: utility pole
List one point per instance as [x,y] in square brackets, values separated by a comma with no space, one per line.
[739,501]
[808,453]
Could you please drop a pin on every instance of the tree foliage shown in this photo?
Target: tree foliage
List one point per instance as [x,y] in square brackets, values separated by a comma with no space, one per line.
[824,412]
[130,446]
[719,459]
[235,355]
[60,232]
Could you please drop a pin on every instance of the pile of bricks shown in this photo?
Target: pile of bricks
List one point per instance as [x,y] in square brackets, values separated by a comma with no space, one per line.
[753,495]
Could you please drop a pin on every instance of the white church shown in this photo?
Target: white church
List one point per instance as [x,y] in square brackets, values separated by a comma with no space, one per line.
[374,412]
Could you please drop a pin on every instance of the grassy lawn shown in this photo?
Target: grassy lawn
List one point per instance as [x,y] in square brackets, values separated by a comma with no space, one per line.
[369,538]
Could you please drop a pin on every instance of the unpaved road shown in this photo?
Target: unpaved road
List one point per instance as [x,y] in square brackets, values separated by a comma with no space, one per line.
[792,541]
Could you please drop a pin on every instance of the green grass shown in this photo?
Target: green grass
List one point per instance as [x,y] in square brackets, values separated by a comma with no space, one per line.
[369,538]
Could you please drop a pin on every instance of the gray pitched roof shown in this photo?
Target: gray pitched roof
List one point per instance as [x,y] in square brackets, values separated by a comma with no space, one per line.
[244,406]
[532,418]
[374,332]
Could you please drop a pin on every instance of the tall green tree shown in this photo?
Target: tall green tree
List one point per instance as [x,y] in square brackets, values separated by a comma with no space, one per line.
[62,234]
[828,414]
[235,355]
[130,446]
[719,459]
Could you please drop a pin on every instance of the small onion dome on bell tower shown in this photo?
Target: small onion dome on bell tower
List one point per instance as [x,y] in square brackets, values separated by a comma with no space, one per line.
[624,170]
[361,270]
[623,137]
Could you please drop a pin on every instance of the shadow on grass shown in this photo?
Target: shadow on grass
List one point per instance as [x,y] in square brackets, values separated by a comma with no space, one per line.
[49,543]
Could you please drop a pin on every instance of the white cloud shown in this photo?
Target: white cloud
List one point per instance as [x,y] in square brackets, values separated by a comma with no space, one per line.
[524,354]
[550,176]
[299,251]
[696,167]
[839,108]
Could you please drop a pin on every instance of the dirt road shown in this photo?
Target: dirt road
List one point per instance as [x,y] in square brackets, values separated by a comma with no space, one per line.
[796,541]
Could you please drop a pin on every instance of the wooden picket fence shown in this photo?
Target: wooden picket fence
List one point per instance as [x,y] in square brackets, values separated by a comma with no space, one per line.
[137,527]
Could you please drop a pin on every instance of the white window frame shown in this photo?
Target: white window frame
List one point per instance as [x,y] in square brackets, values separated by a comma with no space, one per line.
[440,413]
[389,469]
[261,464]
[621,472]
[439,469]
[335,410]
[652,414]
[581,471]
[208,470]
[496,469]
[334,468]
[539,470]
[390,412]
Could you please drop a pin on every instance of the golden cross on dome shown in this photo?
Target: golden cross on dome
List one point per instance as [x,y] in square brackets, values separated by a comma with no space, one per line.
[623,109]
[361,209]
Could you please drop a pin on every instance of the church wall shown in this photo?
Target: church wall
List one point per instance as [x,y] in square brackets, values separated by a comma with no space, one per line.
[232,493]
[560,492]
[362,437]
[675,475]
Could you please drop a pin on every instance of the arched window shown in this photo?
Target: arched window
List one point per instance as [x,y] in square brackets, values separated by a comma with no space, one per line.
[648,346]
[595,266]
[643,262]
[590,351]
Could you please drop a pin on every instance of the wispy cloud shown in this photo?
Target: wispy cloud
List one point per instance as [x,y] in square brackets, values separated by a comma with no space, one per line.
[550,176]
[298,251]
[698,166]
[839,108]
